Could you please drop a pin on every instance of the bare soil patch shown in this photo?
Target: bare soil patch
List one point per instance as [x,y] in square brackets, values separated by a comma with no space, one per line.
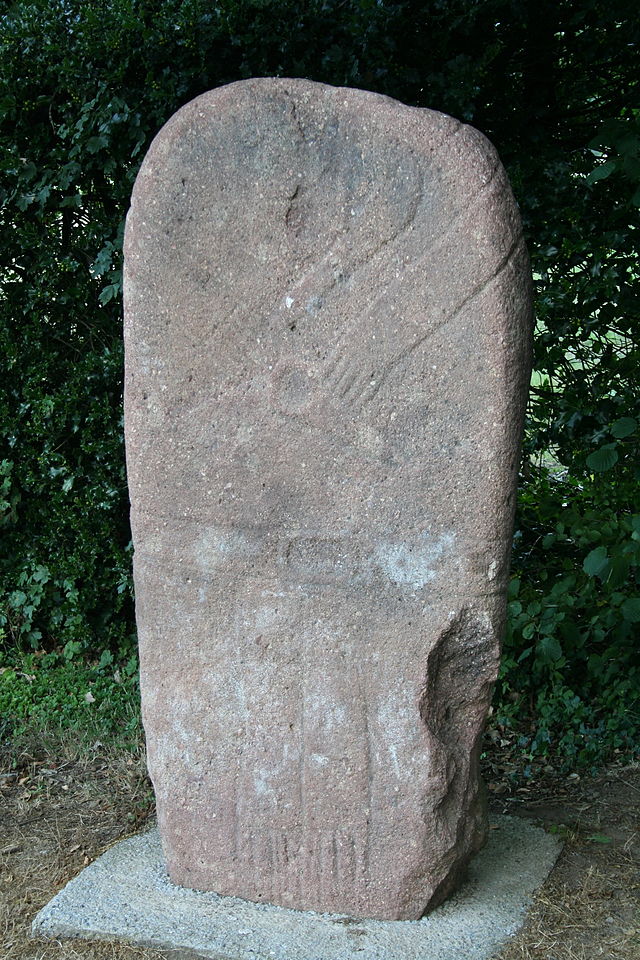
[590,906]
[60,808]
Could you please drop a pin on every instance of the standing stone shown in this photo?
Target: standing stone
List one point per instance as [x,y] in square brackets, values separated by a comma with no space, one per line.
[327,351]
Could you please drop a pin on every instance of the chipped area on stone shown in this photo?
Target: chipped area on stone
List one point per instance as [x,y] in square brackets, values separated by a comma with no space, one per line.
[126,894]
[327,330]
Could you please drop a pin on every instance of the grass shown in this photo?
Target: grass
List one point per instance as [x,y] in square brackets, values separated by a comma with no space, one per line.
[45,691]
[63,801]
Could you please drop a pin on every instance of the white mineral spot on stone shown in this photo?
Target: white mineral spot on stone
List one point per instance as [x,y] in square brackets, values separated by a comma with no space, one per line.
[415,564]
[263,788]
[238,688]
[397,715]
[214,547]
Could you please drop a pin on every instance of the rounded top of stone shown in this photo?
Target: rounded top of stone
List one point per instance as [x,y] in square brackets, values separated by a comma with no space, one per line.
[311,108]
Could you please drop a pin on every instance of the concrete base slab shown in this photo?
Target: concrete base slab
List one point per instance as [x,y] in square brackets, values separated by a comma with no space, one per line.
[126,895]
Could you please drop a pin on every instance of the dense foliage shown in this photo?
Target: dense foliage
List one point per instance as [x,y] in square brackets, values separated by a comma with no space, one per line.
[83,89]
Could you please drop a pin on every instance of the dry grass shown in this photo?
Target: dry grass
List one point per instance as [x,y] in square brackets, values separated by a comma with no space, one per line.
[61,806]
[590,906]
[59,809]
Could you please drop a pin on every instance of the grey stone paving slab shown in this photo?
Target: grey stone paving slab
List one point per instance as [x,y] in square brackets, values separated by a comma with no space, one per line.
[126,895]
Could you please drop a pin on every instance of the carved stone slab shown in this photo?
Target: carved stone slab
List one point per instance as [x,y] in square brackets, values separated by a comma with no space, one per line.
[327,351]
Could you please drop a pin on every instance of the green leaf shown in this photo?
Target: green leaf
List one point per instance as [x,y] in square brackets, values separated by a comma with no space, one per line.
[624,427]
[596,562]
[514,584]
[620,564]
[96,143]
[604,458]
[105,660]
[17,599]
[631,609]
[71,649]
[602,171]
[108,293]
[549,649]
[41,574]
[549,625]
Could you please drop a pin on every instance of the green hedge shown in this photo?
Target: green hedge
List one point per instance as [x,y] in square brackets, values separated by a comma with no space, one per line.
[83,89]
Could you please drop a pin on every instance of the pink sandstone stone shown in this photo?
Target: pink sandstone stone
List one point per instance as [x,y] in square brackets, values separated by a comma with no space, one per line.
[327,352]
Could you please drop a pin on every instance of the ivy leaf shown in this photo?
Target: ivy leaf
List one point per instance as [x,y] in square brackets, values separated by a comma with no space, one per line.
[17,599]
[604,458]
[108,293]
[96,143]
[41,574]
[106,659]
